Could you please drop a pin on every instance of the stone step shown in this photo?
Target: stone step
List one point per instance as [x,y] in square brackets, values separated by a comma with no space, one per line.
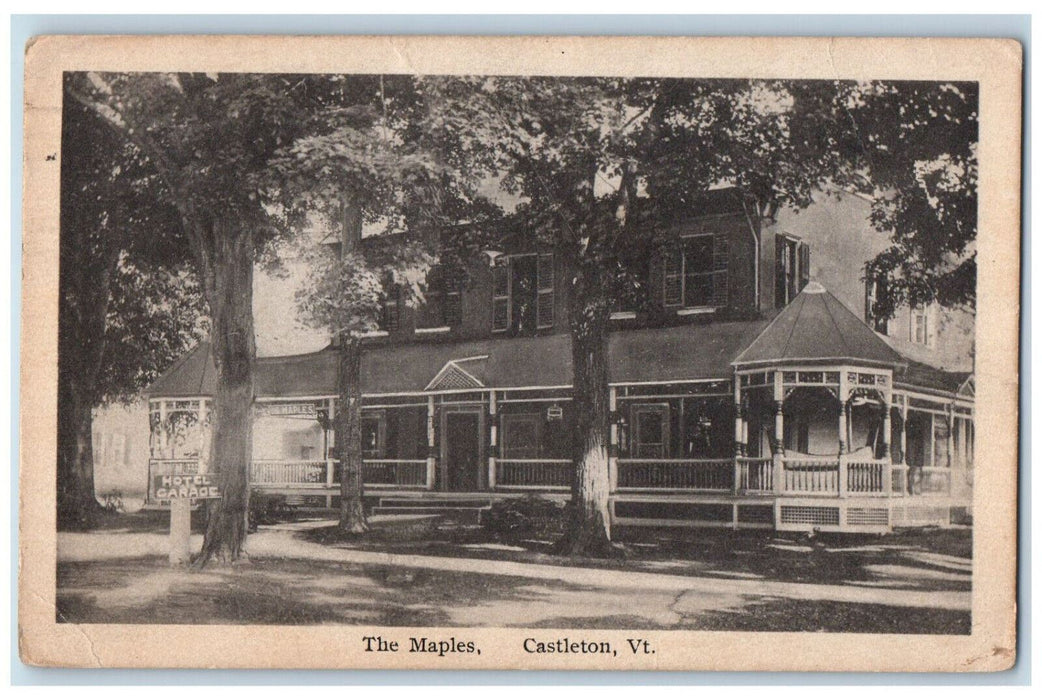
[435,503]
[460,515]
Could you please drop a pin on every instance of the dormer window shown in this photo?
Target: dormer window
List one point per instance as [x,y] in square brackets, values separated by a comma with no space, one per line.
[792,268]
[523,293]
[695,275]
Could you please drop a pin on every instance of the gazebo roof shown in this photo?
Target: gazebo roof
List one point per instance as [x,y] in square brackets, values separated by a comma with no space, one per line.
[817,327]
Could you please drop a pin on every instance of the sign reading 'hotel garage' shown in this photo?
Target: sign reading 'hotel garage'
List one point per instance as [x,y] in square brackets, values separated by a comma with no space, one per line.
[185,486]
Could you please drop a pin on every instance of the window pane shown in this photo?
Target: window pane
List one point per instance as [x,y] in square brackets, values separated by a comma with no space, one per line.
[371,438]
[698,254]
[672,288]
[649,432]
[521,436]
[501,280]
[453,309]
[698,290]
[500,314]
[940,442]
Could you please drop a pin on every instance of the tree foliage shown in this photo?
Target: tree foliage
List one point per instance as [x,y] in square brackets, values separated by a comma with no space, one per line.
[128,305]
[913,148]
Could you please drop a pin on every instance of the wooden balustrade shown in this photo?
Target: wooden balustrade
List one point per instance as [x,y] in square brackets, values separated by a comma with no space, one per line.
[285,472]
[755,474]
[394,472]
[867,476]
[818,476]
[676,474]
[936,481]
[534,473]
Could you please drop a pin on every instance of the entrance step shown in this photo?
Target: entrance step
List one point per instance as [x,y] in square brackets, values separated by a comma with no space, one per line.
[465,516]
[435,503]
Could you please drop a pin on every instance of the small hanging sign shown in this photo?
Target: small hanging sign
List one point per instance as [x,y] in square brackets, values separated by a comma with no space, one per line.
[554,412]
[288,409]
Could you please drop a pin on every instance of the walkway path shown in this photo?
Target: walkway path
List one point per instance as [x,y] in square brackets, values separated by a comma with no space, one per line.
[283,542]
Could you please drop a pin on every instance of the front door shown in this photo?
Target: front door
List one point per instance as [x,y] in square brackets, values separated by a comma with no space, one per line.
[461,451]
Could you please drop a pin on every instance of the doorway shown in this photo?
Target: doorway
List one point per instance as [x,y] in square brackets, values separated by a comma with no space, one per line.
[462,449]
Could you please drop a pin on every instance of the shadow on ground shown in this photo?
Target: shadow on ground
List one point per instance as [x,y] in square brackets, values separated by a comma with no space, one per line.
[296,591]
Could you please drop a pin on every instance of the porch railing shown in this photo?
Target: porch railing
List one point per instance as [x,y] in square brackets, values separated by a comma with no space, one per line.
[867,476]
[811,475]
[289,473]
[534,473]
[755,474]
[921,481]
[676,474]
[389,473]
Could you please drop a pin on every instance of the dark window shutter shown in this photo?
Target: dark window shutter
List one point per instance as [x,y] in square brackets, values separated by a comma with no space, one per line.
[545,294]
[869,293]
[391,312]
[501,296]
[672,288]
[804,265]
[720,260]
[779,272]
[453,309]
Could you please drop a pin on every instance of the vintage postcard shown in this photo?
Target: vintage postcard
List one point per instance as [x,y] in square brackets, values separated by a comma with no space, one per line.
[520,353]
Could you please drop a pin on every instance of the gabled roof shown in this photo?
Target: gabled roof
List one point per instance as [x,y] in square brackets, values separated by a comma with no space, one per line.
[463,373]
[816,326]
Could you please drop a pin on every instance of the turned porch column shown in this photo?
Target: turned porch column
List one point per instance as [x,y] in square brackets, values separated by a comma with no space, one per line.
[844,405]
[204,457]
[163,431]
[613,442]
[779,433]
[888,472]
[739,422]
[493,451]
[431,458]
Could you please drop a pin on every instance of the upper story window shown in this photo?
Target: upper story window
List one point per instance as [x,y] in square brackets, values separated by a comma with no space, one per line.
[791,270]
[523,293]
[695,275]
[443,306]
[874,289]
[921,325]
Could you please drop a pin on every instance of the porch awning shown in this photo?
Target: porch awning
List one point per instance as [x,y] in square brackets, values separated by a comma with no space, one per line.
[817,327]
[680,353]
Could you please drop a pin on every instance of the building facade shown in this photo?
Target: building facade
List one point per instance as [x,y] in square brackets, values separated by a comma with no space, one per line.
[743,393]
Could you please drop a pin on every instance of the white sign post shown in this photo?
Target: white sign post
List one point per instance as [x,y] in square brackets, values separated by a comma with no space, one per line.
[180,531]
[181,490]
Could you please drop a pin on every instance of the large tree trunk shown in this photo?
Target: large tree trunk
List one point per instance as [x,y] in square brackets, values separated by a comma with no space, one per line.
[230,295]
[349,384]
[349,435]
[589,526]
[77,505]
[83,310]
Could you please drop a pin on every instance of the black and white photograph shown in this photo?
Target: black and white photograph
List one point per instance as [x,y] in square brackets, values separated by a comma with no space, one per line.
[417,356]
